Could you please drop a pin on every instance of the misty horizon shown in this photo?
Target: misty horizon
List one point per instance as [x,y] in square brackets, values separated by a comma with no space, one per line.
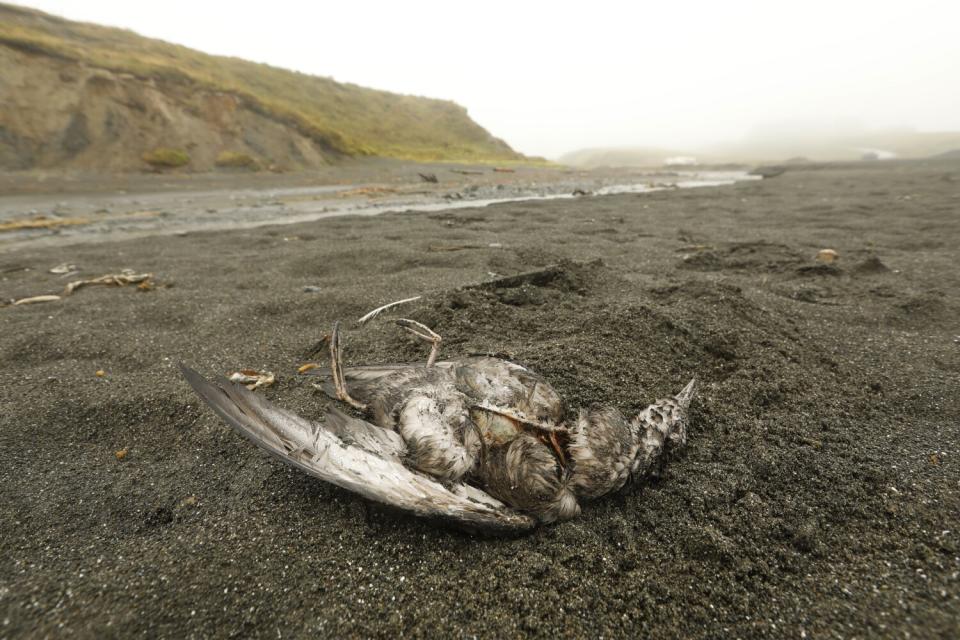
[550,81]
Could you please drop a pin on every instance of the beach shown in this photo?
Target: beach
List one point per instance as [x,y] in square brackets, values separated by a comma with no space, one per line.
[818,495]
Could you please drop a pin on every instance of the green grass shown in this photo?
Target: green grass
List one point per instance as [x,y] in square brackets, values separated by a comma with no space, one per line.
[236,160]
[345,118]
[164,158]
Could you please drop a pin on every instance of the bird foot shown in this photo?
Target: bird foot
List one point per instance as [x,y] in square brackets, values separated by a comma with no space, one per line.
[423,332]
[336,370]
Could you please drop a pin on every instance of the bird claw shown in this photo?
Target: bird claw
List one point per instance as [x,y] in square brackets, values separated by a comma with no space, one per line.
[425,333]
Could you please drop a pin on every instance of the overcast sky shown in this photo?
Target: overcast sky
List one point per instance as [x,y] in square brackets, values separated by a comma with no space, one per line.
[551,77]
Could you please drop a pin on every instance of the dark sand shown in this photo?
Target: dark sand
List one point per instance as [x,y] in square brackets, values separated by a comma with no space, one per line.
[819,495]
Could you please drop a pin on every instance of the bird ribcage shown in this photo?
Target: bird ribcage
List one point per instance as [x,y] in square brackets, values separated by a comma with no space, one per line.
[499,426]
[494,428]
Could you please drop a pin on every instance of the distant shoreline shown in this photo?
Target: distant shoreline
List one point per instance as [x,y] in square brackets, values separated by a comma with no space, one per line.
[100,212]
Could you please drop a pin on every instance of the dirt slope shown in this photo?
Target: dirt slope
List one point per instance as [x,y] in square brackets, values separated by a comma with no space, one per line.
[82,96]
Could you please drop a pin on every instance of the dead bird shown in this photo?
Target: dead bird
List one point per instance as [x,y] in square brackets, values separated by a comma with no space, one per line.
[478,441]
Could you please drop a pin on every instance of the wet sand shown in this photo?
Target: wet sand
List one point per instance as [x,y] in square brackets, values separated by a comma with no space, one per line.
[60,211]
[818,497]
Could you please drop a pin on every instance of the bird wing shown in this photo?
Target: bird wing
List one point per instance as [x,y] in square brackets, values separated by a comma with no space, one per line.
[381,387]
[355,455]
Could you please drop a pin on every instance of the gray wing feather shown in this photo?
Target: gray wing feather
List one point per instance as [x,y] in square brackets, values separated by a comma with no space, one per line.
[359,433]
[365,381]
[354,455]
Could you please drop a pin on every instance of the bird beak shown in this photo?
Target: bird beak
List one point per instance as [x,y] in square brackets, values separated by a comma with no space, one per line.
[686,394]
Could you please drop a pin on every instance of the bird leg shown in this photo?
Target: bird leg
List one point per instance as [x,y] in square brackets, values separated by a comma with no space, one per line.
[557,448]
[336,370]
[423,332]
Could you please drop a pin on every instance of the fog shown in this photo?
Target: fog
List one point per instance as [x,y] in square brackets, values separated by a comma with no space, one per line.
[552,77]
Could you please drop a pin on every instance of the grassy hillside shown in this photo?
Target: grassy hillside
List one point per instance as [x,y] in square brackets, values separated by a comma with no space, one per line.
[345,118]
